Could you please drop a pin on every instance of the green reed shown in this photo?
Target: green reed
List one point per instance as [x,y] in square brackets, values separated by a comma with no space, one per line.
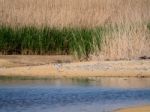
[28,40]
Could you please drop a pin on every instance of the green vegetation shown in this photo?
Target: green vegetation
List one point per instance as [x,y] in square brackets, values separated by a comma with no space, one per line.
[31,40]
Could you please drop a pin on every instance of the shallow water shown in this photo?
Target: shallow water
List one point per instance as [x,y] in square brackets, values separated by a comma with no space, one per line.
[102,95]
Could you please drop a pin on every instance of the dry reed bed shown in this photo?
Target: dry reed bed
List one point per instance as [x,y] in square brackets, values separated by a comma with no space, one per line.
[73,12]
[130,40]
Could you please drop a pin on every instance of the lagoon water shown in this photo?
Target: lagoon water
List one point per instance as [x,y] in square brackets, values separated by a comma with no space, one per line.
[102,95]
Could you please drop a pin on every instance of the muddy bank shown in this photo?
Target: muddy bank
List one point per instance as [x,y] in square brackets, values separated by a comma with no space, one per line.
[64,66]
[136,109]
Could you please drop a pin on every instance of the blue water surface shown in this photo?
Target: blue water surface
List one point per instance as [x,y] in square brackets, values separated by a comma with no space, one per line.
[72,97]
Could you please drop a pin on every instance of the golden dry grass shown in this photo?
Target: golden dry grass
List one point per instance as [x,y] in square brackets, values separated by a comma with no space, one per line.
[73,12]
[129,42]
[133,15]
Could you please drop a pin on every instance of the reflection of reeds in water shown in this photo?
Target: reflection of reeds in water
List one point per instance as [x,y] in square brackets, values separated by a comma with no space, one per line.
[52,79]
[97,81]
[131,40]
[124,82]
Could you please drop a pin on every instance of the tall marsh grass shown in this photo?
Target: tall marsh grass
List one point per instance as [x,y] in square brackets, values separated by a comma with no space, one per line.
[62,13]
[70,27]
[31,40]
[126,42]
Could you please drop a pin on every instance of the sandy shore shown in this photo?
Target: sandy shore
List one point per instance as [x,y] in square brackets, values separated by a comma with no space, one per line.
[136,109]
[64,66]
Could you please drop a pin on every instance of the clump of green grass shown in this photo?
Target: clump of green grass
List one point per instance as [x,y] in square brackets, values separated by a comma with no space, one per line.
[27,40]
